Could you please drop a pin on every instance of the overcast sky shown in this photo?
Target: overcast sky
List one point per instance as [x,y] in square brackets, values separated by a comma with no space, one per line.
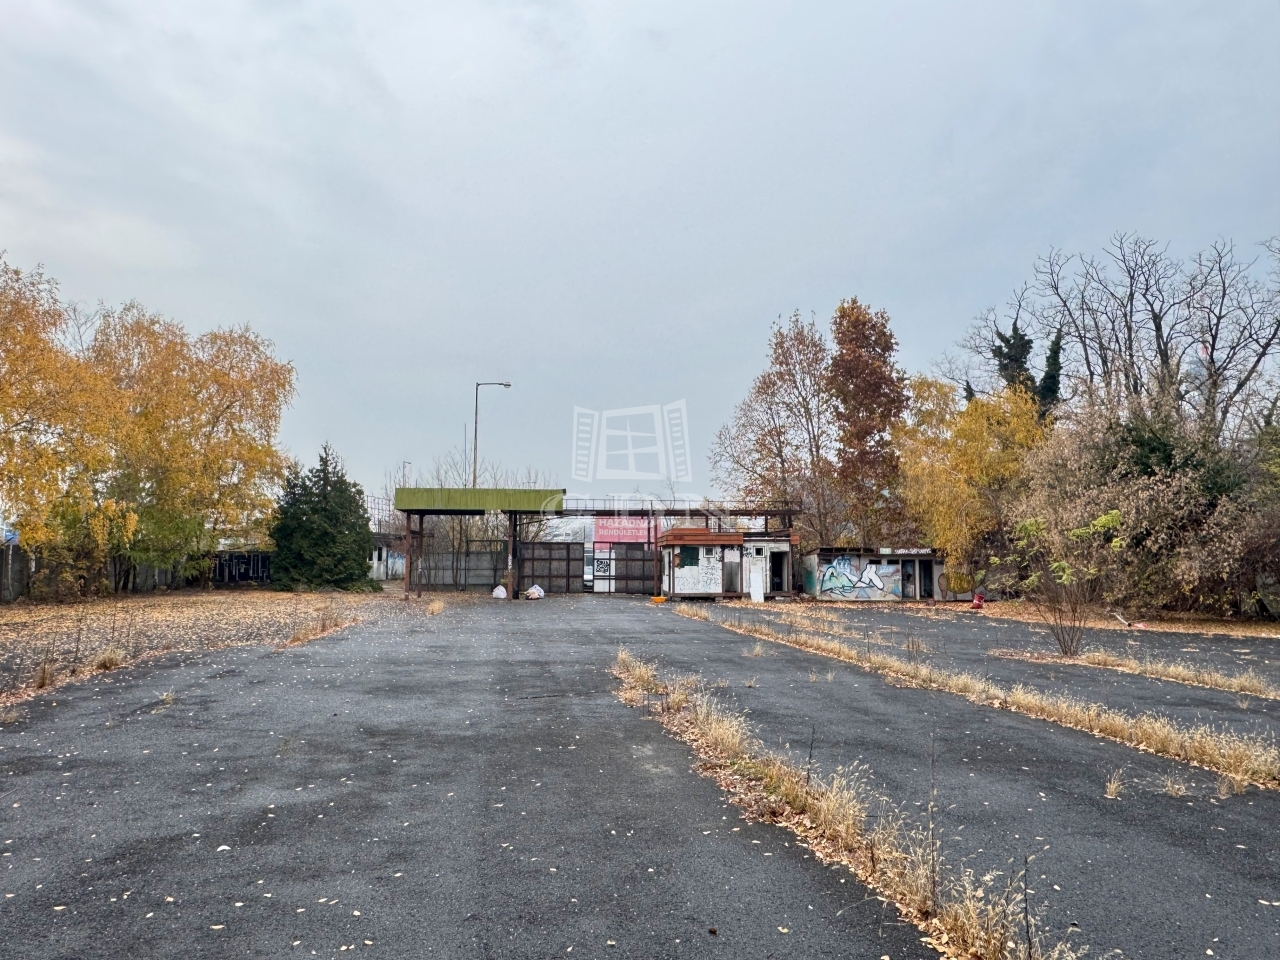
[607,203]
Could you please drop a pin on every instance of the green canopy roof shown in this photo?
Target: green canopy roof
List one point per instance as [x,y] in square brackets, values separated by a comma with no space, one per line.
[455,500]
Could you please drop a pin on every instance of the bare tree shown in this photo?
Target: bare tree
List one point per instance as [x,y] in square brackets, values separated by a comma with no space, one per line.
[781,443]
[1146,334]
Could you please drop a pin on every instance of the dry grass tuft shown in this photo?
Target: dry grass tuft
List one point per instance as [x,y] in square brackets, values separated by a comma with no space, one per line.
[1116,784]
[109,659]
[435,607]
[10,715]
[1250,757]
[1175,787]
[693,611]
[44,676]
[750,684]
[330,619]
[164,702]
[842,819]
[1246,684]
[1230,786]
[759,650]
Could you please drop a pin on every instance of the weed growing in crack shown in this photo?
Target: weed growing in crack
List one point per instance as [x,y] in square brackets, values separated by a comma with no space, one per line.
[1116,784]
[1246,684]
[108,659]
[1248,757]
[1230,786]
[962,914]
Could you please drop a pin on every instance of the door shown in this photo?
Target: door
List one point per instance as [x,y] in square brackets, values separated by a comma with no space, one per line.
[908,579]
[778,571]
[757,571]
[926,580]
[732,570]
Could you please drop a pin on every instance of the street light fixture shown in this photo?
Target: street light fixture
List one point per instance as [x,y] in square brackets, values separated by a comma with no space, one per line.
[475,424]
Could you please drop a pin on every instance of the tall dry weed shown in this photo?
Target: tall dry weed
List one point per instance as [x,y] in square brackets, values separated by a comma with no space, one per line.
[1248,757]
[962,914]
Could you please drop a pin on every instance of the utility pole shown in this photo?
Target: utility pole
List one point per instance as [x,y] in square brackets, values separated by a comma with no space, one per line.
[475,424]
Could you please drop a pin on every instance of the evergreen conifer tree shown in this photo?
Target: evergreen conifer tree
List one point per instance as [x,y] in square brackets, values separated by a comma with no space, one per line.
[1051,382]
[321,528]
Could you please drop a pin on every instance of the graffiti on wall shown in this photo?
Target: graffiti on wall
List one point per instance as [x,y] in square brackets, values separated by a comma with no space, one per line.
[859,578]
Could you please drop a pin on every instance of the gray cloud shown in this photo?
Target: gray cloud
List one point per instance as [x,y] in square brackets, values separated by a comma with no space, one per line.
[606,204]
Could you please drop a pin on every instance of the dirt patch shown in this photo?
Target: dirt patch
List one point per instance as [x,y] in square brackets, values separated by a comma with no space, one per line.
[44,645]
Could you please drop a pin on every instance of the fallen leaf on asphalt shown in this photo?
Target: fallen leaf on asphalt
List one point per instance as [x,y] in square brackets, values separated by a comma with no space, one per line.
[783,930]
[220,926]
[59,908]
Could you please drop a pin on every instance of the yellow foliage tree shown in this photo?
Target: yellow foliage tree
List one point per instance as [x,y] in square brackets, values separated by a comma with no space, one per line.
[56,410]
[961,462]
[144,445]
[196,451]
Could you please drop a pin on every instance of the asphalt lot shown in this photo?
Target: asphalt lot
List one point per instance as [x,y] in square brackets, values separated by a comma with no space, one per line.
[962,640]
[467,785]
[464,785]
[1149,874]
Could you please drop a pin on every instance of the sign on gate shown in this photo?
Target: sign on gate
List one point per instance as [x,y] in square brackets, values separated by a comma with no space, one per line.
[623,530]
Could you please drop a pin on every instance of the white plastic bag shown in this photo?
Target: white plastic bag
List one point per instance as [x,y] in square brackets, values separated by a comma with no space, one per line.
[499,592]
[534,593]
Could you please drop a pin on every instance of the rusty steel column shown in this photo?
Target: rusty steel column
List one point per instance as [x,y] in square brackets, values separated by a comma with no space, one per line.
[511,555]
[408,551]
[421,547]
[657,560]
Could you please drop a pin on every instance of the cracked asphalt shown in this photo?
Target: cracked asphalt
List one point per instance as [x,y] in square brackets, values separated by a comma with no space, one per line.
[465,785]
[1148,874]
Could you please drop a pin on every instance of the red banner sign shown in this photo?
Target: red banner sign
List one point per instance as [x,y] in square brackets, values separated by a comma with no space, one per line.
[623,530]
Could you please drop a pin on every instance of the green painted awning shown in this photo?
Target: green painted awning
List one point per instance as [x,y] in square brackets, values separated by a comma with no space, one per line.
[477,500]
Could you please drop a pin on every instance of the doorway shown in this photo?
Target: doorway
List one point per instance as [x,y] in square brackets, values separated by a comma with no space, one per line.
[777,571]
[926,580]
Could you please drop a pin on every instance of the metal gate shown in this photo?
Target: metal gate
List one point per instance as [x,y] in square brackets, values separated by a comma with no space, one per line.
[555,567]
[623,568]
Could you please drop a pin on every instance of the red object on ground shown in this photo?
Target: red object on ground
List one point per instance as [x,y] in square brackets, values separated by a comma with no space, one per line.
[978,600]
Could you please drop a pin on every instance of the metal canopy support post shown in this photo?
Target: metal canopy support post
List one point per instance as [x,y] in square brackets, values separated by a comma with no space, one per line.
[408,551]
[511,555]
[422,520]
[657,559]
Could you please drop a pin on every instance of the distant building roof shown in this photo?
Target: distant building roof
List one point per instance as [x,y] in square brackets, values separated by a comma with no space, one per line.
[477,500]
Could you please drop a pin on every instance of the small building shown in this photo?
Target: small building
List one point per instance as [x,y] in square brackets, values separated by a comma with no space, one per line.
[384,562]
[697,562]
[873,573]
[247,566]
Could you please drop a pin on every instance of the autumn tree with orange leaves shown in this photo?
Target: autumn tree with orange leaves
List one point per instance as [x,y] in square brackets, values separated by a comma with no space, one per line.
[125,440]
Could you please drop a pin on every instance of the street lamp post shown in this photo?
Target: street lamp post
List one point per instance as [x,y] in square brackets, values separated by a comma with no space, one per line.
[475,425]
